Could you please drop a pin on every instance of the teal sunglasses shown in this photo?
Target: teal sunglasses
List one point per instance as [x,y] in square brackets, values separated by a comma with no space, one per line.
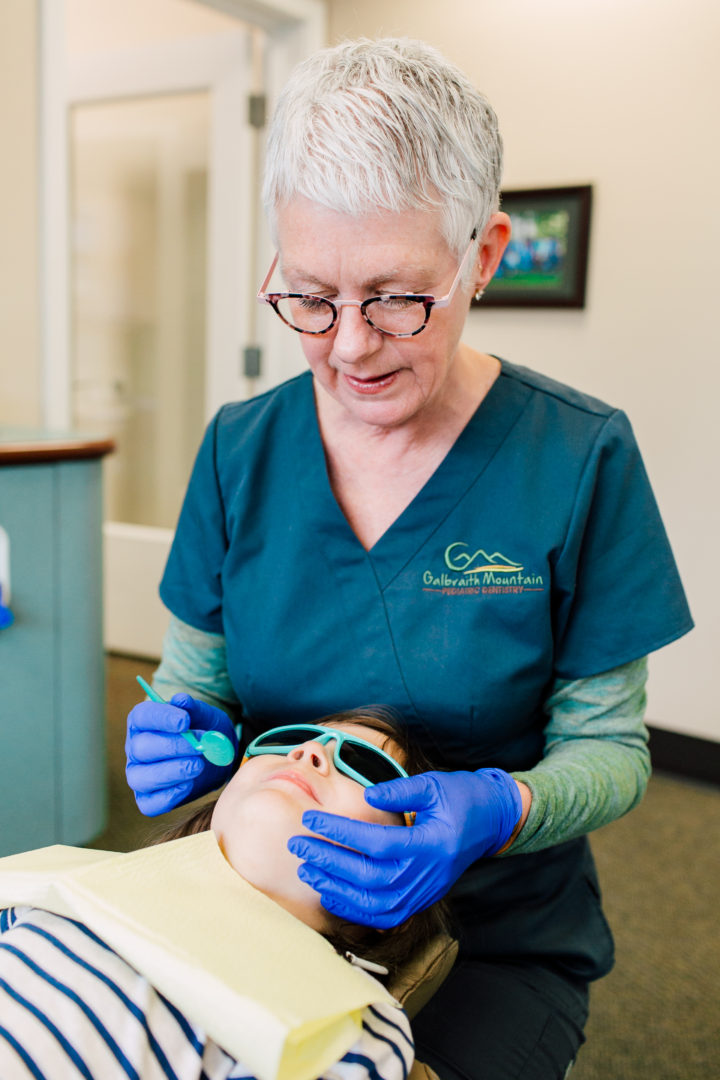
[362,761]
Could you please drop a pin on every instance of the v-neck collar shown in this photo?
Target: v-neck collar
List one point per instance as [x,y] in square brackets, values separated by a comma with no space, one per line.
[461,467]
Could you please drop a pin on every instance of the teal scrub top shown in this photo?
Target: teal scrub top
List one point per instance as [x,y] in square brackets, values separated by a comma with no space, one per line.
[535,551]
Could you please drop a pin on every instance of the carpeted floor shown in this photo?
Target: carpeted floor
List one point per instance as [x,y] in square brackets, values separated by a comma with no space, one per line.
[657,1015]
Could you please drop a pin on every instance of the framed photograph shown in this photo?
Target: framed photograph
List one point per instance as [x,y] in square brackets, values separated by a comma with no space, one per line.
[545,263]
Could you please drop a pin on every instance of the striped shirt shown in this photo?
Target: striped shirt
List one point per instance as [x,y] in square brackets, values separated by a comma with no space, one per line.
[71,1008]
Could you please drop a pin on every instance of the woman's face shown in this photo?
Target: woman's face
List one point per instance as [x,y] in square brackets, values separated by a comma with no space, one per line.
[262,807]
[376,379]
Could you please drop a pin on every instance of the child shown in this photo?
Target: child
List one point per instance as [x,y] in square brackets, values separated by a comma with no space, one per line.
[70,1006]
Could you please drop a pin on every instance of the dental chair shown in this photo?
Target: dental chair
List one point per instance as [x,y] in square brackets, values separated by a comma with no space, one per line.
[416,983]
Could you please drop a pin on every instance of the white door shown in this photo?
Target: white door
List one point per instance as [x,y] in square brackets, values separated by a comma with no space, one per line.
[164,251]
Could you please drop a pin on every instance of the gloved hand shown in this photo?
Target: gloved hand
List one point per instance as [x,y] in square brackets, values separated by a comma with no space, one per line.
[395,871]
[162,768]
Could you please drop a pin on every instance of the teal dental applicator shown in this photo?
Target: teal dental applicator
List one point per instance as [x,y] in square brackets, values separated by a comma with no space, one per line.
[213,745]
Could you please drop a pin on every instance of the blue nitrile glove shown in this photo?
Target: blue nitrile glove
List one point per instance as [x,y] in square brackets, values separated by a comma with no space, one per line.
[162,768]
[394,870]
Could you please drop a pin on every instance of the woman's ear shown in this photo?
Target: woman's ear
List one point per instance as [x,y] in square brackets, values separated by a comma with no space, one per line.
[491,249]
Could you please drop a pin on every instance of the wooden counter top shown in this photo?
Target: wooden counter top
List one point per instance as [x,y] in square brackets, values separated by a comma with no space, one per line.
[31,446]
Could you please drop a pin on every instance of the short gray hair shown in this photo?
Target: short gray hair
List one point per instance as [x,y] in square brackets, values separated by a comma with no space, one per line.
[385,125]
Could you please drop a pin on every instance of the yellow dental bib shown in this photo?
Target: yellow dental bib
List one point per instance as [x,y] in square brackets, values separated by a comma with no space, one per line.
[268,989]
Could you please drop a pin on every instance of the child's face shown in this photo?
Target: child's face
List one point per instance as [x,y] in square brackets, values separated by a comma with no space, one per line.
[262,807]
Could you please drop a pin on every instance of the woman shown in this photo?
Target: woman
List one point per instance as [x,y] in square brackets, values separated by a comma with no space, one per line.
[421,524]
[69,1004]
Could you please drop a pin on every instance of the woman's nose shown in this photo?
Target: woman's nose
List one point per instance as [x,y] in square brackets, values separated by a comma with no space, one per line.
[314,754]
[355,338]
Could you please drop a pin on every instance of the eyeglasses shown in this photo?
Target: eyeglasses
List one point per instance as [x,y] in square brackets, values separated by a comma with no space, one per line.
[360,760]
[355,757]
[393,314]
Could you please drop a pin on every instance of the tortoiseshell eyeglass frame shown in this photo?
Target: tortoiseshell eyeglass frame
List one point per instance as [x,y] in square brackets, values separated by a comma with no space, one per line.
[427,300]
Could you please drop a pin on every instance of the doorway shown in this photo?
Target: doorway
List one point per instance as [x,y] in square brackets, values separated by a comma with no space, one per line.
[160,231]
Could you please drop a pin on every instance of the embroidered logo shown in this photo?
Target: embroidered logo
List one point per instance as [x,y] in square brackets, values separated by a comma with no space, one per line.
[458,560]
[475,573]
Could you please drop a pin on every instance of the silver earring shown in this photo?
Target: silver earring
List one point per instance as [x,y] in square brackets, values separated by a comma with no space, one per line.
[479,293]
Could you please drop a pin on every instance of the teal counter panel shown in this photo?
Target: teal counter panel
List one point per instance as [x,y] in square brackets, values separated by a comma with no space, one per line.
[52,765]
[28,720]
[80,667]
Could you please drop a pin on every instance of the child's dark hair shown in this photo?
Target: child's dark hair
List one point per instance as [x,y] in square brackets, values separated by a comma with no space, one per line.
[390,948]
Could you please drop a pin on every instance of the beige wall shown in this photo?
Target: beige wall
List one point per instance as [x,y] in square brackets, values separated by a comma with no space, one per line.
[20,396]
[624,96]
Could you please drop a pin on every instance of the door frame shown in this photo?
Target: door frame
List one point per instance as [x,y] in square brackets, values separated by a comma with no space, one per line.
[294,29]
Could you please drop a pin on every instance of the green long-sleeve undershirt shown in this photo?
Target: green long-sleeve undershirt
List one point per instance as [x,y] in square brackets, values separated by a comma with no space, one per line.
[596,762]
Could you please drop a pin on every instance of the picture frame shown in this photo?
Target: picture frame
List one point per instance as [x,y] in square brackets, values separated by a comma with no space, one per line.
[545,263]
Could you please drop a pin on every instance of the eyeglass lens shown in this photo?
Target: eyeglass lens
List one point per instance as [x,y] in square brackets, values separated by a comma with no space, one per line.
[363,759]
[282,739]
[372,766]
[393,314]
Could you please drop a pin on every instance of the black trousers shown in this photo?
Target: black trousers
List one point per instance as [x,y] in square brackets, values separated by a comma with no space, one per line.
[502,1020]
